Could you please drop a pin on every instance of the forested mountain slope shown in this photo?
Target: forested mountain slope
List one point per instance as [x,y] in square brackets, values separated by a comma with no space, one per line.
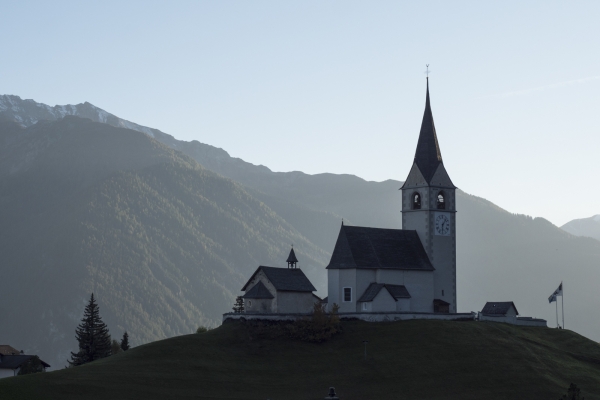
[163,243]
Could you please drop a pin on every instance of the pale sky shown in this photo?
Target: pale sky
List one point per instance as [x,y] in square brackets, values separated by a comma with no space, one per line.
[338,86]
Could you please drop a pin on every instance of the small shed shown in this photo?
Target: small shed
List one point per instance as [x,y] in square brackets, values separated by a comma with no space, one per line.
[500,308]
[384,297]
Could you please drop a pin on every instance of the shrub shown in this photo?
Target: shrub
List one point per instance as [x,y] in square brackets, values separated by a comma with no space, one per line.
[202,329]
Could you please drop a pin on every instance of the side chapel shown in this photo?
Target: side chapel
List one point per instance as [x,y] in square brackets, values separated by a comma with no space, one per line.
[410,269]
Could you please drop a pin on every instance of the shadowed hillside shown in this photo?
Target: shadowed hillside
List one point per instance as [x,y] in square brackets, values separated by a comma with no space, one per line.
[405,360]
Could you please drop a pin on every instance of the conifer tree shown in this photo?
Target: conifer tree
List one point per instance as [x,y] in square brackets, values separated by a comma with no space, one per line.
[92,336]
[125,342]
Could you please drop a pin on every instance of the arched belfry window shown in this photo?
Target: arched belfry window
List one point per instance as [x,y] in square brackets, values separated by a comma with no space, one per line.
[416,201]
[441,201]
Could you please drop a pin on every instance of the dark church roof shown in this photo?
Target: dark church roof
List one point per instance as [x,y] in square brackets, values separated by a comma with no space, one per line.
[498,307]
[292,257]
[428,155]
[258,291]
[365,248]
[285,279]
[396,291]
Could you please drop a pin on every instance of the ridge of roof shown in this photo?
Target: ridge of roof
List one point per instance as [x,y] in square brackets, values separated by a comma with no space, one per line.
[284,279]
[428,155]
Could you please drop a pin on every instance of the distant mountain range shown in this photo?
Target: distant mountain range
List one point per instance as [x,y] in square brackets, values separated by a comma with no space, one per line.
[165,231]
[589,227]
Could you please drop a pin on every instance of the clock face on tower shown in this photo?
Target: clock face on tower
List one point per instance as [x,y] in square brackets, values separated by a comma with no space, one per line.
[442,224]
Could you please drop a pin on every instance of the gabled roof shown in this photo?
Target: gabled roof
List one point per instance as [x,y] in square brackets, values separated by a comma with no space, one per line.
[498,307]
[325,299]
[372,248]
[8,350]
[285,279]
[14,362]
[396,291]
[428,155]
[292,257]
[258,291]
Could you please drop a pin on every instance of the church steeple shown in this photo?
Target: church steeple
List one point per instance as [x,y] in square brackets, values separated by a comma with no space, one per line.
[428,156]
[292,260]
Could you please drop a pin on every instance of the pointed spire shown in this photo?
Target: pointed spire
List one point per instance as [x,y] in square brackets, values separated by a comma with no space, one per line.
[428,155]
[292,260]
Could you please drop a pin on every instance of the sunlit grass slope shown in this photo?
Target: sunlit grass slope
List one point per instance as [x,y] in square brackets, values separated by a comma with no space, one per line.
[406,360]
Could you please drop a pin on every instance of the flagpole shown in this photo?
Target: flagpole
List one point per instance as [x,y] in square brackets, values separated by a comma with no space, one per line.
[556,312]
[562,299]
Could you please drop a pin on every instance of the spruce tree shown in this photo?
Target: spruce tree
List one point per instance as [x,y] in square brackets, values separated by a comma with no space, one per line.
[92,336]
[125,342]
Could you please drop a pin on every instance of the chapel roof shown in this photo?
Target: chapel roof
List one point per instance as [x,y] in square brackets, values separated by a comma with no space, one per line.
[258,291]
[396,291]
[498,307]
[285,279]
[428,155]
[14,362]
[373,248]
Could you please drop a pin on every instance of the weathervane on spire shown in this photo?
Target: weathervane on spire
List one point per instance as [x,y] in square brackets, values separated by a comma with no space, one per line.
[427,70]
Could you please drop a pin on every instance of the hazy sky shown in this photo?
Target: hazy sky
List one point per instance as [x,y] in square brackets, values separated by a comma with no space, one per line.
[338,86]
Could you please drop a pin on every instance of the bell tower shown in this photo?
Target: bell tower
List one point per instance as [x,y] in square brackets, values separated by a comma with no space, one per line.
[429,207]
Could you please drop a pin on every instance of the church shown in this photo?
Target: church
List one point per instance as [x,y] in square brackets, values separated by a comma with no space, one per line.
[412,269]
[375,270]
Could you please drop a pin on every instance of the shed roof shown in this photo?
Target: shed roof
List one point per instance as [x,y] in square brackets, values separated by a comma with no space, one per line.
[14,362]
[258,291]
[372,248]
[284,279]
[396,291]
[498,307]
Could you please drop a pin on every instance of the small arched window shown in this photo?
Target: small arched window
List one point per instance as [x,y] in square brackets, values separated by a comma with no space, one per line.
[416,201]
[441,201]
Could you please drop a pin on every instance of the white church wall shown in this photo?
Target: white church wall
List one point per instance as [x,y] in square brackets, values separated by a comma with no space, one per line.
[364,277]
[420,287]
[403,305]
[295,302]
[333,288]
[258,305]
[347,279]
[383,302]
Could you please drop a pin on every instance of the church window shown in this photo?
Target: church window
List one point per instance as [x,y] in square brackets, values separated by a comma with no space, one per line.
[441,201]
[364,306]
[249,303]
[416,204]
[347,294]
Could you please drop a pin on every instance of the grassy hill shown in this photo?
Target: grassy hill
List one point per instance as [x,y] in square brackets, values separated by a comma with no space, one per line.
[406,360]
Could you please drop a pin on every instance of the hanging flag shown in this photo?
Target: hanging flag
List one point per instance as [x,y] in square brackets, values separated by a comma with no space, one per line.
[557,292]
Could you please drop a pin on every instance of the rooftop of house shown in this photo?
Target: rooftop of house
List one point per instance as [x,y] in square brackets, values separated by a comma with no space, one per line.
[372,248]
[498,307]
[15,361]
[8,350]
[284,279]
